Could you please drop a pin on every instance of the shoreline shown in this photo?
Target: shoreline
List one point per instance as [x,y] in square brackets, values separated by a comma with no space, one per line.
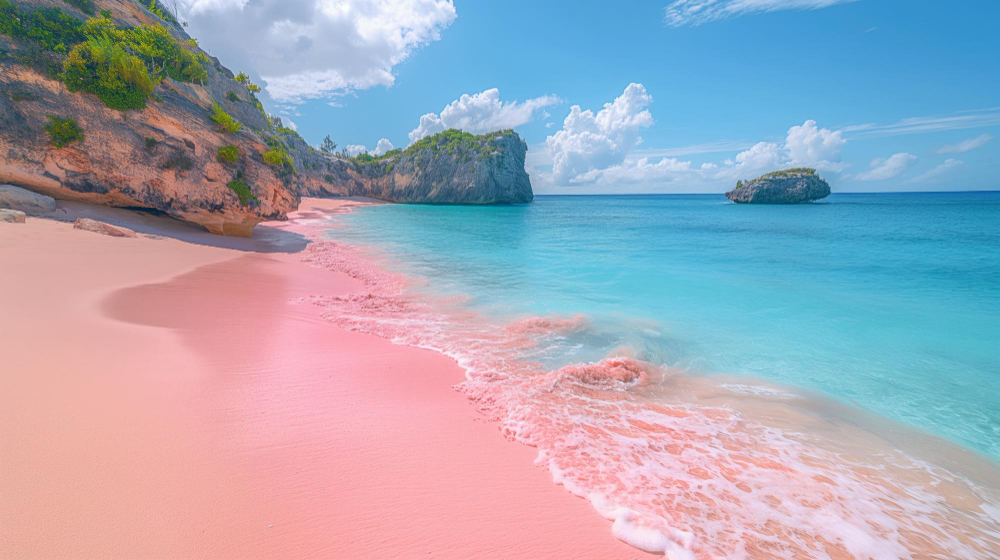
[234,422]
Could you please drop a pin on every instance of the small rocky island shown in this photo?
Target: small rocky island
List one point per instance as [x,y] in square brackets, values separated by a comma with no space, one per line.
[790,186]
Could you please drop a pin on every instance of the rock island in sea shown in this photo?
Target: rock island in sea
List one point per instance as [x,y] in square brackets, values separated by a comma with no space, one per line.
[789,186]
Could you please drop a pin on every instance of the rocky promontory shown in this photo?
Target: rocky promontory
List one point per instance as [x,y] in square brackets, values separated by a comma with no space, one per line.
[790,186]
[111,102]
[451,167]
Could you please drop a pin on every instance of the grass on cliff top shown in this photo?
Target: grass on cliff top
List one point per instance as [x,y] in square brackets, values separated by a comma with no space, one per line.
[63,132]
[788,173]
[450,141]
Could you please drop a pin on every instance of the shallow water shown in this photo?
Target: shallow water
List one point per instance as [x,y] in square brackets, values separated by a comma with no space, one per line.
[672,358]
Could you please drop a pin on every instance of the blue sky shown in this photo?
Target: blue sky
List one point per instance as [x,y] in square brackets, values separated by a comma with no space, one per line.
[879,95]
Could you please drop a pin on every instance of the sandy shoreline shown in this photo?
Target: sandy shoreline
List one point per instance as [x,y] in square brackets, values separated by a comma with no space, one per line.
[165,397]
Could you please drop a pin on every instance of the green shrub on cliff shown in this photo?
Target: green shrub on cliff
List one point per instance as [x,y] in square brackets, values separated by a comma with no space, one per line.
[225,121]
[105,69]
[62,132]
[279,158]
[242,191]
[228,154]
[164,55]
[47,27]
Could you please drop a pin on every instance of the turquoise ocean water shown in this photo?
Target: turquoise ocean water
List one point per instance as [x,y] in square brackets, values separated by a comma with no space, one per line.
[887,302]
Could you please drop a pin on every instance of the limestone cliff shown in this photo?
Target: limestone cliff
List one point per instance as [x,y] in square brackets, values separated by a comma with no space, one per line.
[451,167]
[163,157]
[789,186]
[192,143]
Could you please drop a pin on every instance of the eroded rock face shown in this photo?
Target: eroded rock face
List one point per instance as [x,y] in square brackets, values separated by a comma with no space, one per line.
[487,170]
[163,157]
[16,198]
[790,186]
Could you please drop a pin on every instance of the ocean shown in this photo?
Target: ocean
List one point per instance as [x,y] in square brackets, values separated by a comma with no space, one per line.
[722,380]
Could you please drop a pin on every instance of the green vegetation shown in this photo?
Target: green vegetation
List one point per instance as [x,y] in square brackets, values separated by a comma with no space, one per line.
[328,178]
[164,14]
[103,68]
[48,28]
[225,121]
[151,144]
[85,6]
[242,190]
[120,66]
[233,97]
[278,157]
[229,154]
[254,89]
[63,131]
[789,173]
[328,146]
[450,141]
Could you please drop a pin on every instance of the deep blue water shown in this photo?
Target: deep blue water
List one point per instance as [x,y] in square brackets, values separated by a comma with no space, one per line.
[890,302]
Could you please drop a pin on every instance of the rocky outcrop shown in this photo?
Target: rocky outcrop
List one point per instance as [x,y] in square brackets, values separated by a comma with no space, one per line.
[16,198]
[11,216]
[451,167]
[790,186]
[163,157]
[86,224]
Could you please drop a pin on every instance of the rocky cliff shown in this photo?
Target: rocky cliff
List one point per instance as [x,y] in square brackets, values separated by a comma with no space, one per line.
[451,167]
[104,101]
[789,186]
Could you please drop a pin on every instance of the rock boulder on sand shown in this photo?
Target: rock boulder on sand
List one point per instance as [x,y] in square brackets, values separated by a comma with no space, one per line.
[11,216]
[87,224]
[790,186]
[16,198]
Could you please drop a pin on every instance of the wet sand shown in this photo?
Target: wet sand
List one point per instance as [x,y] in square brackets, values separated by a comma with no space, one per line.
[170,397]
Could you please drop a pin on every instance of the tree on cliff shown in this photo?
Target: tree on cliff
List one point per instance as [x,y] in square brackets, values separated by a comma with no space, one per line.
[328,146]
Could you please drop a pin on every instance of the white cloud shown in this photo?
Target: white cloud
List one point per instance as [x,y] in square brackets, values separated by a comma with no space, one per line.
[811,146]
[355,149]
[938,171]
[980,118]
[965,145]
[383,146]
[698,12]
[761,155]
[881,169]
[306,49]
[600,150]
[482,112]
[587,141]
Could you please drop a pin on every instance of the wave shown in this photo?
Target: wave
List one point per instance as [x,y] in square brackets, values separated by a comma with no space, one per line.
[692,467]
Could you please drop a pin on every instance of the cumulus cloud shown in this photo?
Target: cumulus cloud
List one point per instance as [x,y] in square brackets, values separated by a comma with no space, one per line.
[965,145]
[355,149]
[809,145]
[305,49]
[698,12]
[938,171]
[887,168]
[601,150]
[383,146]
[590,142]
[482,112]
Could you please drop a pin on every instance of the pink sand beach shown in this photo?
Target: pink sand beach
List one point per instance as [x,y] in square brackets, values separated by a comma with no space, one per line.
[170,396]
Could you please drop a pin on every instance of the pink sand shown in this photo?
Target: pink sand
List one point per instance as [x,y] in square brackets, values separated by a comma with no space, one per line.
[165,397]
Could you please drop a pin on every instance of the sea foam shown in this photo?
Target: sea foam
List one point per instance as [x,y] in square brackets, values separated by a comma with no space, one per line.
[683,465]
